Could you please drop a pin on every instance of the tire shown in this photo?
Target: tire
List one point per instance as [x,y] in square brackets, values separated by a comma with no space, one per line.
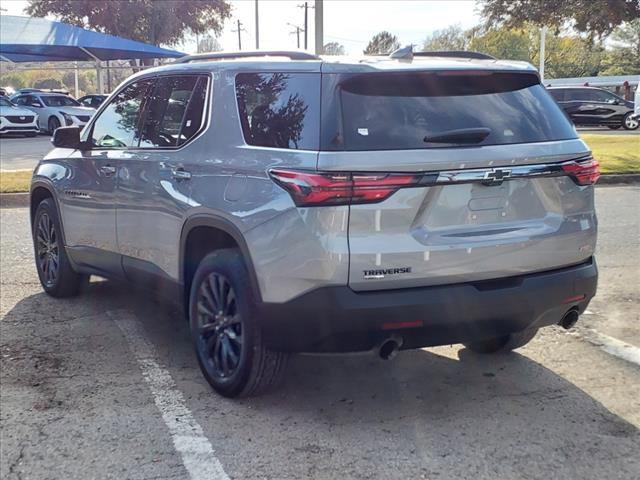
[630,122]
[57,277]
[53,123]
[225,329]
[614,127]
[503,344]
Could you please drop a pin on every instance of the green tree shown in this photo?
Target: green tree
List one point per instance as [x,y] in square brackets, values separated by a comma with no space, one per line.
[382,43]
[209,43]
[596,17]
[624,56]
[333,48]
[450,38]
[156,22]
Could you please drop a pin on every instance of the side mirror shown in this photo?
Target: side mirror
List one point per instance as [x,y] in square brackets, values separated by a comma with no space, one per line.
[67,137]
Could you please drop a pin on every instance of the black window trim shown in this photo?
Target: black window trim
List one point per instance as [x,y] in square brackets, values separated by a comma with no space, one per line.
[204,126]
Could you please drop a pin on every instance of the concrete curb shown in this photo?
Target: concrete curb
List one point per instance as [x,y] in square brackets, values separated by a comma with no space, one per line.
[18,200]
[619,178]
[14,200]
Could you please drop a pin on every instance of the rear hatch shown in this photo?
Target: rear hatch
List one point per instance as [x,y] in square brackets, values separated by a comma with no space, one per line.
[455,176]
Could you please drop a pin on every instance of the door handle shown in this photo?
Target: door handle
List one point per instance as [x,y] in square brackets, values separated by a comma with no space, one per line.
[180,174]
[108,170]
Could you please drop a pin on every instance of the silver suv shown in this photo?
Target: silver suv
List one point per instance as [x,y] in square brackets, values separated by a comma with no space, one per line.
[298,204]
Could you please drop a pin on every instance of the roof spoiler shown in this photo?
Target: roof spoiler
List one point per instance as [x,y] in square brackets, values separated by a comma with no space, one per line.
[291,55]
[407,53]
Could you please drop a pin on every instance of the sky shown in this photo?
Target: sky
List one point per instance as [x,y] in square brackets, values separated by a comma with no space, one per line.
[349,22]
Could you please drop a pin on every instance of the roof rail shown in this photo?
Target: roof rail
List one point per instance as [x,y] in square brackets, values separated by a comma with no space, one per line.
[292,55]
[455,54]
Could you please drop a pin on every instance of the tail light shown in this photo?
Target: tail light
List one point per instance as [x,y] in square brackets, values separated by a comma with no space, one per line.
[312,189]
[586,172]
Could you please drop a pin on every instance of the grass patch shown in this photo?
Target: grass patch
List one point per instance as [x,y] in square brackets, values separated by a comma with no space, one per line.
[616,153]
[12,182]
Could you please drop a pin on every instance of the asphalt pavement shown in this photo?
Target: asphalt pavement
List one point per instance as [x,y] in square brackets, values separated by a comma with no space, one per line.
[106,385]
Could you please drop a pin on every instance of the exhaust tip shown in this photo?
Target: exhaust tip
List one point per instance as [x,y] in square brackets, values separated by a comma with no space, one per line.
[569,320]
[389,348]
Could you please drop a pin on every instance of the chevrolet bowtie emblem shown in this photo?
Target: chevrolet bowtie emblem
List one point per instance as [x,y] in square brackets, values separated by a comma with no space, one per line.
[496,176]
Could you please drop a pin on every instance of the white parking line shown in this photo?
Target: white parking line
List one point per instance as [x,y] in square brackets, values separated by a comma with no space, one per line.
[611,345]
[187,435]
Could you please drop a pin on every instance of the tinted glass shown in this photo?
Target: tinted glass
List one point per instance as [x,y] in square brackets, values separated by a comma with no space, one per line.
[392,111]
[601,96]
[174,112]
[578,94]
[5,103]
[21,100]
[279,109]
[117,125]
[59,101]
[558,95]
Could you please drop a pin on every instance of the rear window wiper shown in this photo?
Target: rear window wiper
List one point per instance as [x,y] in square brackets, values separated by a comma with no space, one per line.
[462,135]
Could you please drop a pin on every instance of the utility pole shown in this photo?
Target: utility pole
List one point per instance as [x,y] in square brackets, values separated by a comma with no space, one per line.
[257,28]
[239,30]
[296,31]
[306,7]
[543,34]
[319,21]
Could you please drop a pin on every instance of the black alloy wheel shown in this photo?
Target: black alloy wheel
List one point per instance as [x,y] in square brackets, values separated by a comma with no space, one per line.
[219,323]
[47,250]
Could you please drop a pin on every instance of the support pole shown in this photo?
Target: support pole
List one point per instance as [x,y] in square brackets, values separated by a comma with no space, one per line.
[543,35]
[257,28]
[306,25]
[75,79]
[319,28]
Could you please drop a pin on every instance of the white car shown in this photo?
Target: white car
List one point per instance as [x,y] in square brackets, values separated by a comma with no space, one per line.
[14,119]
[54,110]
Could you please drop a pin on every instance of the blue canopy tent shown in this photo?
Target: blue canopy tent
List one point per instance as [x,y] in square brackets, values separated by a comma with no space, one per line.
[26,39]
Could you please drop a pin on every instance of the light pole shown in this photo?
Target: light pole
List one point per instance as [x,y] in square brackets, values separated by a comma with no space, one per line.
[257,28]
[319,27]
[543,35]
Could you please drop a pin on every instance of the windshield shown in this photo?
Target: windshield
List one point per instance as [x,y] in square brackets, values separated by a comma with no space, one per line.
[59,101]
[393,111]
[5,103]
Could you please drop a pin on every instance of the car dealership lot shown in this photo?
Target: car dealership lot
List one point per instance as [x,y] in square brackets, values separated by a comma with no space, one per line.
[106,385]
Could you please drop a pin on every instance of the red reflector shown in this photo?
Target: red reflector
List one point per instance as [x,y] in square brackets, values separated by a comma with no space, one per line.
[323,188]
[577,298]
[397,325]
[586,172]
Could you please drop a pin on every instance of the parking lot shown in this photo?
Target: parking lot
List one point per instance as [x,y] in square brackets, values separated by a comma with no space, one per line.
[106,385]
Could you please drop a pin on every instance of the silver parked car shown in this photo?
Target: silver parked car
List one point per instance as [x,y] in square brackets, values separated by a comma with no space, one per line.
[17,120]
[54,109]
[298,204]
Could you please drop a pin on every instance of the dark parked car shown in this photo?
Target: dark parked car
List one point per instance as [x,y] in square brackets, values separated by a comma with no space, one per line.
[595,106]
[93,101]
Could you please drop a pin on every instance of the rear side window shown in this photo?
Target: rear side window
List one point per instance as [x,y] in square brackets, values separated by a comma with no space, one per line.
[280,110]
[557,94]
[394,111]
[174,112]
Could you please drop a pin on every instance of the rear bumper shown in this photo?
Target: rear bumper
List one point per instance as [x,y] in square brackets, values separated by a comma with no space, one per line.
[338,319]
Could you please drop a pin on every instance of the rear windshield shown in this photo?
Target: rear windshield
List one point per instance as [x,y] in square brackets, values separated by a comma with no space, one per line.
[59,101]
[394,111]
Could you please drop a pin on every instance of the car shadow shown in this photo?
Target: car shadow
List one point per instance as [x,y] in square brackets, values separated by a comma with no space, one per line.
[437,413]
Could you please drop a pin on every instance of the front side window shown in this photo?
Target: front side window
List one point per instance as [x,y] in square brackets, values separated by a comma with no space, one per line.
[175,111]
[59,101]
[117,125]
[280,110]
